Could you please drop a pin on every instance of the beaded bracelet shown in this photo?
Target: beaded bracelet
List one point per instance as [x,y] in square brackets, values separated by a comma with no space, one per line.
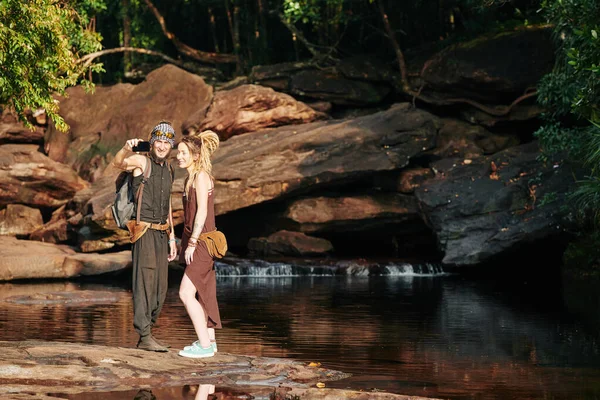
[172,240]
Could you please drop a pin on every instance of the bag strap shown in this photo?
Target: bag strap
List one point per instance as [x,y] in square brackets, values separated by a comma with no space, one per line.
[140,191]
[172,170]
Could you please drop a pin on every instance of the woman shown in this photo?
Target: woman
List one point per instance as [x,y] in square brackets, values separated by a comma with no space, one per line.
[198,290]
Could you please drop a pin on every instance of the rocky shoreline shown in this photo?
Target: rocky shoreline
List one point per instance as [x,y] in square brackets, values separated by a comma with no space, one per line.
[37,370]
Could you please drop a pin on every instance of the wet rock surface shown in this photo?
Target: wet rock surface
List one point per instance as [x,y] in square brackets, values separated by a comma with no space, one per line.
[493,205]
[46,370]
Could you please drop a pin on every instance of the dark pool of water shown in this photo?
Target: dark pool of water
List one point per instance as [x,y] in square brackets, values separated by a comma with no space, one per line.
[436,336]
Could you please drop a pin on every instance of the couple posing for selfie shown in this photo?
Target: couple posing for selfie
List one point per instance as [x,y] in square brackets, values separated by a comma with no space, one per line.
[153,236]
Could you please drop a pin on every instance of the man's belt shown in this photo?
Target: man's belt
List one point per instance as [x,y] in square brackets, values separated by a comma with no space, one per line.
[159,227]
[136,230]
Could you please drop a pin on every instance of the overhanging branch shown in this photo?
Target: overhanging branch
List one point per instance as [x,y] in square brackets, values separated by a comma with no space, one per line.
[202,56]
[88,58]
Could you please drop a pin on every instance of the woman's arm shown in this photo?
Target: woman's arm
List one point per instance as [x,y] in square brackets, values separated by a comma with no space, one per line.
[201,186]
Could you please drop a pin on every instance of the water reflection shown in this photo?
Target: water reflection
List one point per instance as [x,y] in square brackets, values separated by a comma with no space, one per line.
[198,392]
[427,336]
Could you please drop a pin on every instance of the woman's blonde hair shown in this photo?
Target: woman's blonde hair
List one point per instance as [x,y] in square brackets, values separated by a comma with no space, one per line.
[202,145]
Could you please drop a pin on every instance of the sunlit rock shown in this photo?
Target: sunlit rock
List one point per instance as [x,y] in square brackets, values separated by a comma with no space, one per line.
[31,178]
[19,220]
[25,259]
[101,122]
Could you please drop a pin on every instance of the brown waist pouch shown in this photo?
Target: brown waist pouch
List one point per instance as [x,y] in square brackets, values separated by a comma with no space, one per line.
[216,243]
[137,229]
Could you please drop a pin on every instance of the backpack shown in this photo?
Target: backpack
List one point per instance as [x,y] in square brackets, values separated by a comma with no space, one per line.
[124,204]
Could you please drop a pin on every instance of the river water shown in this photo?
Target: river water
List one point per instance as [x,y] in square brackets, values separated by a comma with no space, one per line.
[427,334]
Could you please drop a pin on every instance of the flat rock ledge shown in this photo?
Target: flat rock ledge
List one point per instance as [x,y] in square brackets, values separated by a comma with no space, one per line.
[37,370]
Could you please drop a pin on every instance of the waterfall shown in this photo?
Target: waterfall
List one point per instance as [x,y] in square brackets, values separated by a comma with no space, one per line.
[262,268]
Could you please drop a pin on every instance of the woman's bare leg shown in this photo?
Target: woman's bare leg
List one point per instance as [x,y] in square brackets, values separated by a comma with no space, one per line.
[187,294]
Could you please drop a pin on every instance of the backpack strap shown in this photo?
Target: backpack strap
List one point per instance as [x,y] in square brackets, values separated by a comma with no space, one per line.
[140,190]
[172,172]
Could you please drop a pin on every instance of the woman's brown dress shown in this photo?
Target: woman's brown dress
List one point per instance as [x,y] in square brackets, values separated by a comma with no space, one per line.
[201,271]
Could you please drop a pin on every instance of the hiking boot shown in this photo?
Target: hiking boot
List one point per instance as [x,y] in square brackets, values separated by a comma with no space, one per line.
[148,343]
[197,343]
[168,346]
[197,351]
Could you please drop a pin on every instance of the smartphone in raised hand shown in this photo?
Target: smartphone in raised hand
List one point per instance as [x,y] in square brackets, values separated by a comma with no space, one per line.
[142,147]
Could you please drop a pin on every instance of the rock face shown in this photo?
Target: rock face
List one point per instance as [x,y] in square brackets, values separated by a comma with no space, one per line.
[29,177]
[498,68]
[24,259]
[265,165]
[57,230]
[356,81]
[356,213]
[19,220]
[286,243]
[363,176]
[494,205]
[14,131]
[250,108]
[121,112]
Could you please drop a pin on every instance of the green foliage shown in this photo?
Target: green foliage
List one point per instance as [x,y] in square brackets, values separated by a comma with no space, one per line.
[313,11]
[40,43]
[572,89]
[570,94]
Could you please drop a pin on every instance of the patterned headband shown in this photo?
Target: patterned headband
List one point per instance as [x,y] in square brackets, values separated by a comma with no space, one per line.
[163,131]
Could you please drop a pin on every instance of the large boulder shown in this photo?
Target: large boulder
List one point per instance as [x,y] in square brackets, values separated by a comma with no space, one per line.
[495,204]
[25,259]
[19,220]
[57,230]
[287,243]
[270,164]
[352,213]
[497,68]
[13,130]
[335,88]
[249,108]
[101,122]
[356,81]
[31,178]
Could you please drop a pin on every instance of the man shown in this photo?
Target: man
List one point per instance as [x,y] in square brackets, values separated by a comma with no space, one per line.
[154,237]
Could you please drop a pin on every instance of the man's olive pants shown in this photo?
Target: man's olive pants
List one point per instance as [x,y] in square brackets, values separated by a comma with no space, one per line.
[150,276]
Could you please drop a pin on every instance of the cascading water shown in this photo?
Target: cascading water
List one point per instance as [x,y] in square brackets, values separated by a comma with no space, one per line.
[261,268]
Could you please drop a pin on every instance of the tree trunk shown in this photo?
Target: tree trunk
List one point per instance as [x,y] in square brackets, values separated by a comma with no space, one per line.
[237,48]
[396,46]
[202,56]
[263,26]
[231,28]
[297,34]
[213,29]
[127,56]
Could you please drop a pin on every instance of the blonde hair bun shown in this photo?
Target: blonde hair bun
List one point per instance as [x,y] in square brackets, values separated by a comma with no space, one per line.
[210,141]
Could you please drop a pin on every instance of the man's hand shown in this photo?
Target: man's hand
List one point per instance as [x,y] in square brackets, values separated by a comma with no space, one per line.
[173,251]
[131,143]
